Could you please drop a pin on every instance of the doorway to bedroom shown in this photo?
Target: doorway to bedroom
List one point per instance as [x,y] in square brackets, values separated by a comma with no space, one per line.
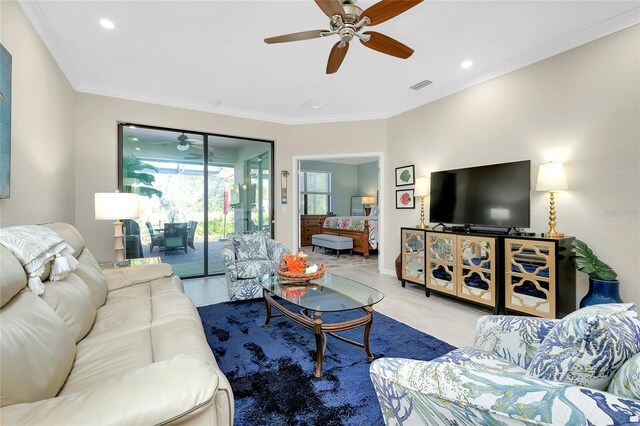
[338,201]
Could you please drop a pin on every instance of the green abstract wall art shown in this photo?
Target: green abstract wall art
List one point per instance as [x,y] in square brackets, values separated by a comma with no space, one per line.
[5,122]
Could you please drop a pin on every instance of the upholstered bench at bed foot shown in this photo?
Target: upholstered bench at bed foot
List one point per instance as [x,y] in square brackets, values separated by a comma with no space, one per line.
[332,242]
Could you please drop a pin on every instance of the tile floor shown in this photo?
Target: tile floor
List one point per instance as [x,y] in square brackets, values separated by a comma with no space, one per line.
[447,319]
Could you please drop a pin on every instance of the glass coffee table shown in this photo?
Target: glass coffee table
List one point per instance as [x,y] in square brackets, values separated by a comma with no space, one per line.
[331,293]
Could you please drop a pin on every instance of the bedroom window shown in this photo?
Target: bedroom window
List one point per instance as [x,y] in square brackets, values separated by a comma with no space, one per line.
[315,192]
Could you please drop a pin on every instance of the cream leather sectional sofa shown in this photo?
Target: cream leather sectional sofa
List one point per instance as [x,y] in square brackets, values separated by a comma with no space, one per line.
[120,346]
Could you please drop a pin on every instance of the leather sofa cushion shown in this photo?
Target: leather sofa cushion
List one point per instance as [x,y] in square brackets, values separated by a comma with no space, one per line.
[12,277]
[89,272]
[71,299]
[37,350]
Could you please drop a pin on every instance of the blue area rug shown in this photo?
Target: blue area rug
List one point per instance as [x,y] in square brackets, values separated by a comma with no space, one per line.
[272,369]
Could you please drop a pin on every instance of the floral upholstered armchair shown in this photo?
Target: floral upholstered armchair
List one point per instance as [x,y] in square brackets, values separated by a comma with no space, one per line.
[581,370]
[247,257]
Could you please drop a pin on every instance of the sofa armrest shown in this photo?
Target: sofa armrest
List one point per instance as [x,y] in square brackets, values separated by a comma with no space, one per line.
[513,338]
[228,255]
[132,275]
[276,250]
[432,393]
[153,394]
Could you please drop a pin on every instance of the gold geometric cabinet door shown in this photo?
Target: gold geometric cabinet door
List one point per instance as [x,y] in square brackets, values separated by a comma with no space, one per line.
[477,269]
[413,256]
[530,281]
[441,255]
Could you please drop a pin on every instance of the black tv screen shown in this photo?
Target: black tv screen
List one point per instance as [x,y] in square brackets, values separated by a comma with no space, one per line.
[495,195]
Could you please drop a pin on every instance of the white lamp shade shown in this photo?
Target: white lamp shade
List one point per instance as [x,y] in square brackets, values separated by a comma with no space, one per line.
[551,177]
[368,200]
[117,205]
[423,187]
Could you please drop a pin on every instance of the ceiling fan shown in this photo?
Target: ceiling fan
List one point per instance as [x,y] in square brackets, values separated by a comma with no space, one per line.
[348,21]
[183,143]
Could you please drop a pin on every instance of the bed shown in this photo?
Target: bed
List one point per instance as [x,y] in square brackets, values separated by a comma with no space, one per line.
[362,229]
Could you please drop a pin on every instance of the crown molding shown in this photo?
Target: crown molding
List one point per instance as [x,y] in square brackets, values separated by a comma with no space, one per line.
[42,26]
[572,41]
[223,110]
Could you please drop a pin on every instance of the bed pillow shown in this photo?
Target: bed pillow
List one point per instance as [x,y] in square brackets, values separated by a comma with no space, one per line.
[626,382]
[588,346]
[250,246]
[375,211]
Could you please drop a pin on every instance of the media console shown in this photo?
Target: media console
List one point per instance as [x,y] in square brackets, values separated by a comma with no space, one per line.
[531,275]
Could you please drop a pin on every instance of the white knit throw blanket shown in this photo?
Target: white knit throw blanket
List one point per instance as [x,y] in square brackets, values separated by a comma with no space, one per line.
[34,246]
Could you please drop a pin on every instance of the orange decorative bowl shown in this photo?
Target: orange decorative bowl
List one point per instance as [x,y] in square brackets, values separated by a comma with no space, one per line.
[282,273]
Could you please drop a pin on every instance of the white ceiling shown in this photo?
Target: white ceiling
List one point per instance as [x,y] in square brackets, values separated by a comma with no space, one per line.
[191,54]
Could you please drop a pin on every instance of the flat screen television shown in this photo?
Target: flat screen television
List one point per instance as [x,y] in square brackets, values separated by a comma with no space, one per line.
[496,195]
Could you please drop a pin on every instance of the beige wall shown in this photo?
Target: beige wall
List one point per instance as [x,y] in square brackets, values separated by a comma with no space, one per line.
[580,107]
[96,150]
[42,134]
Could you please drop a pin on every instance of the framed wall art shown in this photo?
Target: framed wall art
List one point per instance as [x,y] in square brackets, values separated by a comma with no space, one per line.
[405,175]
[405,199]
[5,122]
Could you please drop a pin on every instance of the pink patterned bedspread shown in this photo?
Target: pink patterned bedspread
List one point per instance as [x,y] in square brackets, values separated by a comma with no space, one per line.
[355,223]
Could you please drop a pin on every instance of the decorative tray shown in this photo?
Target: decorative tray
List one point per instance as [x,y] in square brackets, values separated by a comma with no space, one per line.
[300,275]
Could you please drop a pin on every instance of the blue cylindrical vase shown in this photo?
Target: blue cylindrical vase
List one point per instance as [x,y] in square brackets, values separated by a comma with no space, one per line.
[600,292]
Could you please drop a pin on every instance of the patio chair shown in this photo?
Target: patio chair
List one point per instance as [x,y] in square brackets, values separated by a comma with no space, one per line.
[157,240]
[191,232]
[133,245]
[175,237]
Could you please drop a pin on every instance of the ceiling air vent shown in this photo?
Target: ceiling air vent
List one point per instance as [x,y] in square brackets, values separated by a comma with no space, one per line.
[420,85]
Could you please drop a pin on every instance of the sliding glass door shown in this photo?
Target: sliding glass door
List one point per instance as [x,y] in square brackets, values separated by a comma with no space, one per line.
[196,190]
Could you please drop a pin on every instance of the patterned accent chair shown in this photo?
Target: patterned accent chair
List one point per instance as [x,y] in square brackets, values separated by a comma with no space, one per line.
[247,257]
[581,370]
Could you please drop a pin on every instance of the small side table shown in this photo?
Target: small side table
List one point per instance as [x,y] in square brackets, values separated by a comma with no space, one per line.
[131,262]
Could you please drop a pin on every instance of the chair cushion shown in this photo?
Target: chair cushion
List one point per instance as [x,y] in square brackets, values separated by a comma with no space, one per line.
[587,347]
[250,246]
[626,382]
[256,268]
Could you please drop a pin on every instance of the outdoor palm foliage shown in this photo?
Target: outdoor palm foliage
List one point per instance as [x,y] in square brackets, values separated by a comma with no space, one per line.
[135,179]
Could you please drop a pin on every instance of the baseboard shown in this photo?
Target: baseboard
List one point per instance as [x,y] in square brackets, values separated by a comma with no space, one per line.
[391,272]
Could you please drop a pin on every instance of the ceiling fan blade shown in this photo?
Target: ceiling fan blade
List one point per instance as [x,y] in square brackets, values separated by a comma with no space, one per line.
[195,141]
[336,57]
[331,7]
[304,35]
[387,45]
[387,9]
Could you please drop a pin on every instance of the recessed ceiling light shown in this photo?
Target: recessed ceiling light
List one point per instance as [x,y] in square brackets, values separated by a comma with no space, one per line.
[311,104]
[134,139]
[108,24]
[137,148]
[132,127]
[466,64]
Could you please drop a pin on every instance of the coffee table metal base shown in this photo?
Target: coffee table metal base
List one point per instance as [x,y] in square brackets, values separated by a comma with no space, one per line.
[321,329]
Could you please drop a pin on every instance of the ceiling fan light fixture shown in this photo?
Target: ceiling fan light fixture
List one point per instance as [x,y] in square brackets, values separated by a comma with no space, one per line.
[182,147]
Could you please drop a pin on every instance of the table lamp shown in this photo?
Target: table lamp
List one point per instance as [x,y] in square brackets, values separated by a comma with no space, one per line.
[116,206]
[422,190]
[551,177]
[367,202]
